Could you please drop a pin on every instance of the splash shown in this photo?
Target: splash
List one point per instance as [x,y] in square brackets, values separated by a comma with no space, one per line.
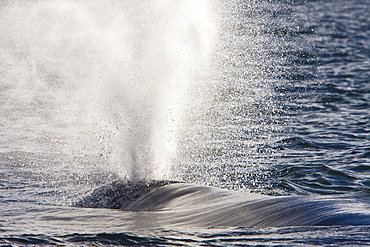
[106,77]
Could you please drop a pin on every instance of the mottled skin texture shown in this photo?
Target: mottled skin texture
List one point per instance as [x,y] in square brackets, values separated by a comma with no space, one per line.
[118,194]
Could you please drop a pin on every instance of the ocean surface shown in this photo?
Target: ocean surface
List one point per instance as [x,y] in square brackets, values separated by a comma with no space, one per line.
[185,123]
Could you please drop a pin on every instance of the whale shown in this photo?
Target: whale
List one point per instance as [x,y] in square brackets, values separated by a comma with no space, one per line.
[178,203]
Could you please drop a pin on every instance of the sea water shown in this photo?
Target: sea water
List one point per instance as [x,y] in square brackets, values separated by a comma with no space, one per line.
[251,98]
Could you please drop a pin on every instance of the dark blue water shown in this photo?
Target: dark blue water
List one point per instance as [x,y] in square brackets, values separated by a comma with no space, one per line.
[329,151]
[272,141]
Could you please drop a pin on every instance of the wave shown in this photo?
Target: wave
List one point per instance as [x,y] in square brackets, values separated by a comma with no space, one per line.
[76,239]
[175,203]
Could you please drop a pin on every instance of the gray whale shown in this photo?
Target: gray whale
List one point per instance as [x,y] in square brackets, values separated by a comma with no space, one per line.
[187,204]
